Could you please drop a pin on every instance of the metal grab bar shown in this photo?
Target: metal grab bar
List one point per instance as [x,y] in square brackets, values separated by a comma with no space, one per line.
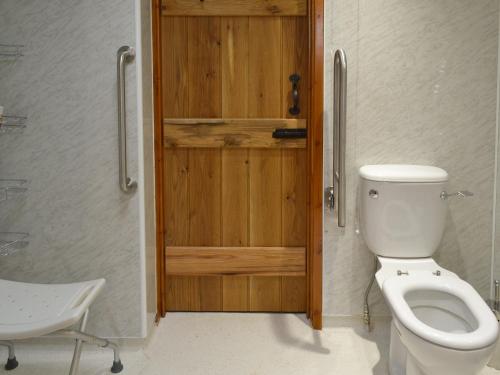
[339,132]
[125,54]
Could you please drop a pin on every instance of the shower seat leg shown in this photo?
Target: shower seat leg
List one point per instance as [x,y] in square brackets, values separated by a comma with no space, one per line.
[75,363]
[11,361]
[82,337]
[94,340]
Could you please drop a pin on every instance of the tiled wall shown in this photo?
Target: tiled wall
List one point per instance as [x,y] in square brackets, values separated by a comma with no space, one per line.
[422,88]
[82,225]
[496,256]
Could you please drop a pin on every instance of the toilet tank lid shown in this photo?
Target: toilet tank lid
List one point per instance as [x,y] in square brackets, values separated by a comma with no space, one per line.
[403,173]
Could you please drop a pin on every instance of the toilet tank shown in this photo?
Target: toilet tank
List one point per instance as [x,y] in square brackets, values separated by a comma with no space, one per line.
[402,214]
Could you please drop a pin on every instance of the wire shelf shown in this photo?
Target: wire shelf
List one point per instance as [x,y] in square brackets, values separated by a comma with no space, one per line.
[11,51]
[11,242]
[11,188]
[12,123]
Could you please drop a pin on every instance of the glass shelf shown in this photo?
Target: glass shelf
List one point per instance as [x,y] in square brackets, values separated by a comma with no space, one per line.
[10,188]
[11,242]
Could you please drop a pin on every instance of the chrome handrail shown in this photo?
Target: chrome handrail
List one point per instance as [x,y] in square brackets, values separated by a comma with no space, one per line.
[339,132]
[125,54]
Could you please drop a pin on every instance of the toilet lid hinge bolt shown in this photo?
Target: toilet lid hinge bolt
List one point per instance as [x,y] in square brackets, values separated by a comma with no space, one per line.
[437,273]
[402,273]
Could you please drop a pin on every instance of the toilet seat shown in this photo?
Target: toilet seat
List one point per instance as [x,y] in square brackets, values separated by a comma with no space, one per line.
[484,335]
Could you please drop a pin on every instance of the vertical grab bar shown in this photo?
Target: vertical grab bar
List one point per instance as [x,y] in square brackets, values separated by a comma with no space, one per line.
[125,54]
[339,132]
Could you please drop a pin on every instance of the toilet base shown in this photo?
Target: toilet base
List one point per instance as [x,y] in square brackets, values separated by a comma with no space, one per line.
[400,361]
[437,360]
[411,367]
[397,353]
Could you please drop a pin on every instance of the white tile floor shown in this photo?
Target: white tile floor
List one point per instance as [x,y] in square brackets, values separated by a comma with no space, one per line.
[232,344]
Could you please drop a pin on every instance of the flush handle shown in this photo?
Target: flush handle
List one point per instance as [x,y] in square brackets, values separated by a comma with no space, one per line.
[294,79]
[459,194]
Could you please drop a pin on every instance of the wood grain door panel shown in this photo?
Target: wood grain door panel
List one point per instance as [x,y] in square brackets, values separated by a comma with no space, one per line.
[239,261]
[231,191]
[231,133]
[234,7]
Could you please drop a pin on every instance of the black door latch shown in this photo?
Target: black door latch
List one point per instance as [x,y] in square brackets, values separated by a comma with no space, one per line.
[295,110]
[290,133]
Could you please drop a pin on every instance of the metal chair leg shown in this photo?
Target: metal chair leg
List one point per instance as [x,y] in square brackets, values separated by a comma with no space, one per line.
[94,340]
[82,337]
[75,363]
[11,361]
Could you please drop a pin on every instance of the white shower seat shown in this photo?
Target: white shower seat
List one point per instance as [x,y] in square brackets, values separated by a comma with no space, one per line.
[34,310]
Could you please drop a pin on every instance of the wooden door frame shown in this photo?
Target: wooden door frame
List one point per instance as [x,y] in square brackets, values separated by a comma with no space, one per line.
[315,166]
[158,156]
[314,162]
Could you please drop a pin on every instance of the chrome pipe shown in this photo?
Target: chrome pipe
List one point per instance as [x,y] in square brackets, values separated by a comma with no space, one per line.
[339,132]
[125,54]
[366,306]
[497,295]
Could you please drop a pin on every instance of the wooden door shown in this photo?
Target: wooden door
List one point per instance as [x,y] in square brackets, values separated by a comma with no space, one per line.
[234,197]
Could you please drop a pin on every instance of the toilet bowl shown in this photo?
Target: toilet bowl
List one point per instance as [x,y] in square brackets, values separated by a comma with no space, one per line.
[440,325]
[443,324]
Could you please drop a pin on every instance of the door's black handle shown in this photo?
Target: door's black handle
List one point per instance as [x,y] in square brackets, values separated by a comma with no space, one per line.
[290,133]
[295,110]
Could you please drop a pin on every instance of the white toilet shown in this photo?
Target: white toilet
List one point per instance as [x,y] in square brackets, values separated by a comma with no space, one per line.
[440,324]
